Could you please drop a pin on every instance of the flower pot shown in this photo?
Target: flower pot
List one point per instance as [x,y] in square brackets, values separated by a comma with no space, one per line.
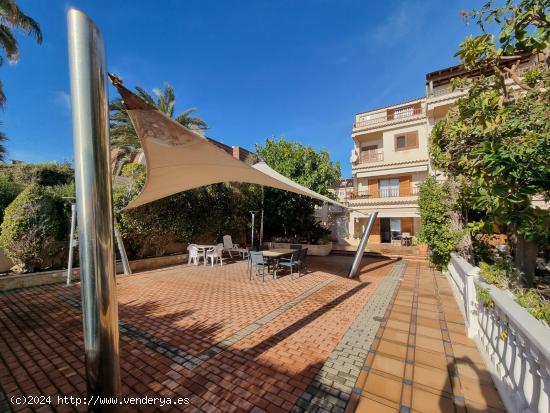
[423,249]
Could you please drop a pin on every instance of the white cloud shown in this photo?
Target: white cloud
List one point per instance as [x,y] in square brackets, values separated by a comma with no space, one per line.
[63,99]
[406,18]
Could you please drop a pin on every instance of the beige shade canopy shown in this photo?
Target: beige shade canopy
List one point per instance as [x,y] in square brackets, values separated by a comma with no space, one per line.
[179,159]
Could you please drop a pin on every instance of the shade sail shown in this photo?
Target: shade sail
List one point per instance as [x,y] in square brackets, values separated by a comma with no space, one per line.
[179,159]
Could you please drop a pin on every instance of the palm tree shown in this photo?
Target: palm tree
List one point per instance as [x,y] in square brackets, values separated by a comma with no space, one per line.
[11,17]
[3,151]
[123,134]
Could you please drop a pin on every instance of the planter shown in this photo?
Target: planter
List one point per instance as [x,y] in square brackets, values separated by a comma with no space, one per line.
[317,250]
[11,282]
[423,249]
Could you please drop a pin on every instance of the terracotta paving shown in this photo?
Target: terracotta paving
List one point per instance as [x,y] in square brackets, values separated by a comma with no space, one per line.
[209,334]
[421,359]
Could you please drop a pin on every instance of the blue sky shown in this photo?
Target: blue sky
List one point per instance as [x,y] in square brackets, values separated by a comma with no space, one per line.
[256,68]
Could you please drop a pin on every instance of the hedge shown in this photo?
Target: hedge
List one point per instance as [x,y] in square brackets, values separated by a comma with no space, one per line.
[33,225]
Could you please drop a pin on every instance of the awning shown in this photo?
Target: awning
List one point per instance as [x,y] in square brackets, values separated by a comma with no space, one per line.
[179,159]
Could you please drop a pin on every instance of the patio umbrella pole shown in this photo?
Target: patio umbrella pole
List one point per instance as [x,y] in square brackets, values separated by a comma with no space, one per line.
[89,102]
[362,245]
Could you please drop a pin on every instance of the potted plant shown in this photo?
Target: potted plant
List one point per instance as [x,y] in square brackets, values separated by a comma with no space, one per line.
[421,244]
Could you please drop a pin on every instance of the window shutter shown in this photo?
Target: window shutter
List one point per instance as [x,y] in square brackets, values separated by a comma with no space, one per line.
[373,188]
[404,185]
[413,140]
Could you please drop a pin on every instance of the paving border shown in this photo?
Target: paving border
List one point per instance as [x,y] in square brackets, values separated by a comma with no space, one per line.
[331,388]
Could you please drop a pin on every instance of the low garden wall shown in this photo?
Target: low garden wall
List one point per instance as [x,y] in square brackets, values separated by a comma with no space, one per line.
[11,282]
[318,250]
[514,344]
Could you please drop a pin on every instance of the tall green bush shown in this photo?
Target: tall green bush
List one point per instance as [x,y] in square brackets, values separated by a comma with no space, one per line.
[33,224]
[8,191]
[46,174]
[288,215]
[435,206]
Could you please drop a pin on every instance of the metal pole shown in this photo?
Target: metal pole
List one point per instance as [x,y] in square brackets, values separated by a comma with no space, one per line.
[122,252]
[262,220]
[71,244]
[252,229]
[362,245]
[94,207]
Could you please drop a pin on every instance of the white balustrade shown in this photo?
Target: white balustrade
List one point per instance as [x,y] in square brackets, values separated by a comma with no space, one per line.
[515,345]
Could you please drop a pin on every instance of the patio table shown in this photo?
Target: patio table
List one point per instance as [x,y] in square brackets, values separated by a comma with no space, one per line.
[275,254]
[203,248]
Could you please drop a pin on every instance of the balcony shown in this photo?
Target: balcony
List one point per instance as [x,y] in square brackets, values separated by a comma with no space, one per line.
[384,193]
[373,155]
[447,89]
[365,121]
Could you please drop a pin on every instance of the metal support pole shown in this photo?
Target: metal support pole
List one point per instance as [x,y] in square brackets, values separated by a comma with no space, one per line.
[94,207]
[362,245]
[252,229]
[122,252]
[71,244]
[262,220]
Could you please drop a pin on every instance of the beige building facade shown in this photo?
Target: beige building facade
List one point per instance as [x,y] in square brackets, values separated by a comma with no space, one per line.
[390,157]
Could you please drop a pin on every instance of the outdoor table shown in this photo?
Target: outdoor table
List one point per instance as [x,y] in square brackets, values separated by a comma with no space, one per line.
[204,248]
[275,254]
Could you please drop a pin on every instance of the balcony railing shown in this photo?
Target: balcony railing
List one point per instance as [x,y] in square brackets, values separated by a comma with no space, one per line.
[373,155]
[447,89]
[399,113]
[384,193]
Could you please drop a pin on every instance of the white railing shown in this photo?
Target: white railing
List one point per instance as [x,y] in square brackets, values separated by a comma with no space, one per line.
[368,120]
[515,345]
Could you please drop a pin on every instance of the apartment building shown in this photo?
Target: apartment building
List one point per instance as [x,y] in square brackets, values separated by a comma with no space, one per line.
[390,157]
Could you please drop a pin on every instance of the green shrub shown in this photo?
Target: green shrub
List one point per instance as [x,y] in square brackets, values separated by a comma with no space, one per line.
[46,174]
[8,191]
[33,224]
[534,303]
[435,206]
[503,275]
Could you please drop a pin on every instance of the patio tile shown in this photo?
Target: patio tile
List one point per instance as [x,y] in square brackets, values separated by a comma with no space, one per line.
[440,367]
[389,365]
[368,405]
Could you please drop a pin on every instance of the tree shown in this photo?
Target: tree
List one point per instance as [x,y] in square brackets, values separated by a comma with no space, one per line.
[291,215]
[497,138]
[3,139]
[12,17]
[123,134]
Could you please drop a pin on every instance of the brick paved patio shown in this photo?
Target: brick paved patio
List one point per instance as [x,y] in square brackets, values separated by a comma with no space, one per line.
[209,334]
[227,343]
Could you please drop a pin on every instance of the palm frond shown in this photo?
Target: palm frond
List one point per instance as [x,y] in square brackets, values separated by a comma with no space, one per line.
[9,44]
[15,17]
[3,150]
[2,96]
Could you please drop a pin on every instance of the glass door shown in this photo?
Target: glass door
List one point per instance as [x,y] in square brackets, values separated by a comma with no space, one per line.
[389,188]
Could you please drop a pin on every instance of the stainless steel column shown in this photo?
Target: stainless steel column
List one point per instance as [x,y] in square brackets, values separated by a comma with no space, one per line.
[94,208]
[362,245]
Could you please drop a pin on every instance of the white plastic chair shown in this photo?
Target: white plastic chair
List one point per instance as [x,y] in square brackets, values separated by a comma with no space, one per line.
[230,247]
[194,255]
[215,253]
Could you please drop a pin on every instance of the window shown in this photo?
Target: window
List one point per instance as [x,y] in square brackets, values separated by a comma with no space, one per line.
[389,188]
[406,141]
